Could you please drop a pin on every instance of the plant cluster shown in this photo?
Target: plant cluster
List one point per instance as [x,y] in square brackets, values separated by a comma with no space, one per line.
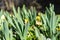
[26,24]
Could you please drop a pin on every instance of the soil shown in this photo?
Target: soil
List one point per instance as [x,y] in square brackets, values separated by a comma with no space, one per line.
[39,4]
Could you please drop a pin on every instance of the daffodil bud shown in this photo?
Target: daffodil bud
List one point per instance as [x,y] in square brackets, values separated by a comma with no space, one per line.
[38,23]
[2,17]
[48,39]
[58,29]
[26,20]
[39,14]
[38,18]
[59,24]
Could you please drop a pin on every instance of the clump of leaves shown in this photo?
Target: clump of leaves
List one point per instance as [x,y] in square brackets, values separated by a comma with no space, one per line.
[50,21]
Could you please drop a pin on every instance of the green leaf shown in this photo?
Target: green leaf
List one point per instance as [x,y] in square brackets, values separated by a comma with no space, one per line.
[26,29]
[9,19]
[5,30]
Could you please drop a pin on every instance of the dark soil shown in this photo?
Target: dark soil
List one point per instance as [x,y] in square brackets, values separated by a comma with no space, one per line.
[39,4]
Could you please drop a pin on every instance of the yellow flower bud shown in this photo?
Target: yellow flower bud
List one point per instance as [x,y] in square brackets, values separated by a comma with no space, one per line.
[58,29]
[2,17]
[38,18]
[38,23]
[39,13]
[26,20]
[59,24]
